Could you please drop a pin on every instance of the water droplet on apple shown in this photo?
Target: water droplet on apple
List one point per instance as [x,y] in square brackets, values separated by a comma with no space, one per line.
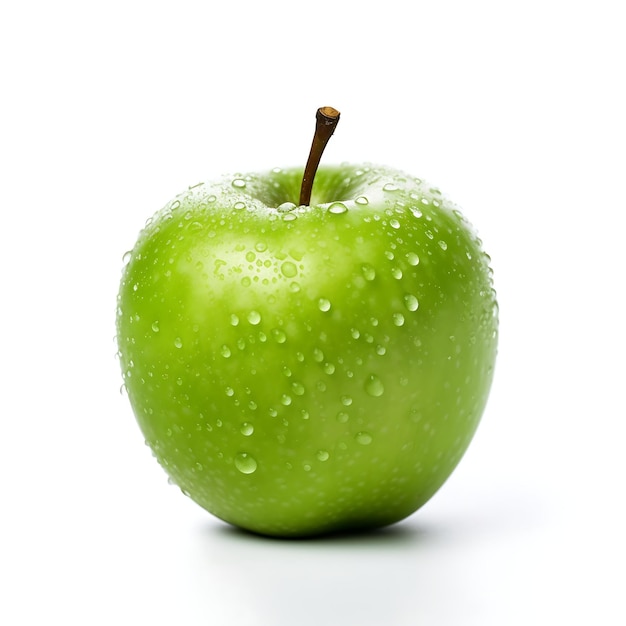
[390,187]
[323,304]
[211,199]
[225,351]
[322,455]
[394,223]
[337,208]
[234,320]
[239,205]
[246,429]
[443,245]
[412,259]
[155,327]
[245,463]
[396,272]
[286,207]
[279,335]
[362,200]
[254,317]
[329,368]
[318,355]
[374,386]
[230,392]
[178,342]
[346,400]
[289,217]
[289,269]
[285,400]
[342,417]
[239,183]
[368,271]
[381,350]
[126,257]
[398,319]
[410,301]
[363,438]
[355,333]
[297,388]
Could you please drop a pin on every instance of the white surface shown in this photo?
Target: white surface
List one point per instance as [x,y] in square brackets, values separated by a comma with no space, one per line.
[516,110]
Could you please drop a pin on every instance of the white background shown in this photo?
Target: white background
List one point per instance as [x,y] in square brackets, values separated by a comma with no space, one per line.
[515,109]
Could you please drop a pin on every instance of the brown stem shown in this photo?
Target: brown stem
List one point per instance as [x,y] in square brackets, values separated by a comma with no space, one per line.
[326,121]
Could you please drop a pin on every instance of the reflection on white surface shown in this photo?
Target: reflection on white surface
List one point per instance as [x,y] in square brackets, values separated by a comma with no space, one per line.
[378,578]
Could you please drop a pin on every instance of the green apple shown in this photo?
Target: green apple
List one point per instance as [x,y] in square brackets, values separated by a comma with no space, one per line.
[306,369]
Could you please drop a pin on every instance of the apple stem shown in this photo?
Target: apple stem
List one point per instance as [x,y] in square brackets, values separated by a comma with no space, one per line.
[326,121]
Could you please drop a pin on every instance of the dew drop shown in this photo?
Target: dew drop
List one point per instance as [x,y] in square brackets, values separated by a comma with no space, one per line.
[285,207]
[155,327]
[285,400]
[412,259]
[362,200]
[337,208]
[322,455]
[329,368]
[289,269]
[297,388]
[234,320]
[363,438]
[398,319]
[178,342]
[410,301]
[239,183]
[279,335]
[394,223]
[323,304]
[230,392]
[346,400]
[225,351]
[246,429]
[318,355]
[368,271]
[374,386]
[245,463]
[254,317]
[240,205]
[390,187]
[442,244]
[342,417]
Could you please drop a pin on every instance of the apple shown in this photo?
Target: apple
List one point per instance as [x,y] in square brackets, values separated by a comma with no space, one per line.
[300,368]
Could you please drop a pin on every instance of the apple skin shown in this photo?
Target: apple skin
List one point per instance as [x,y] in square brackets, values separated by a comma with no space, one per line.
[307,370]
